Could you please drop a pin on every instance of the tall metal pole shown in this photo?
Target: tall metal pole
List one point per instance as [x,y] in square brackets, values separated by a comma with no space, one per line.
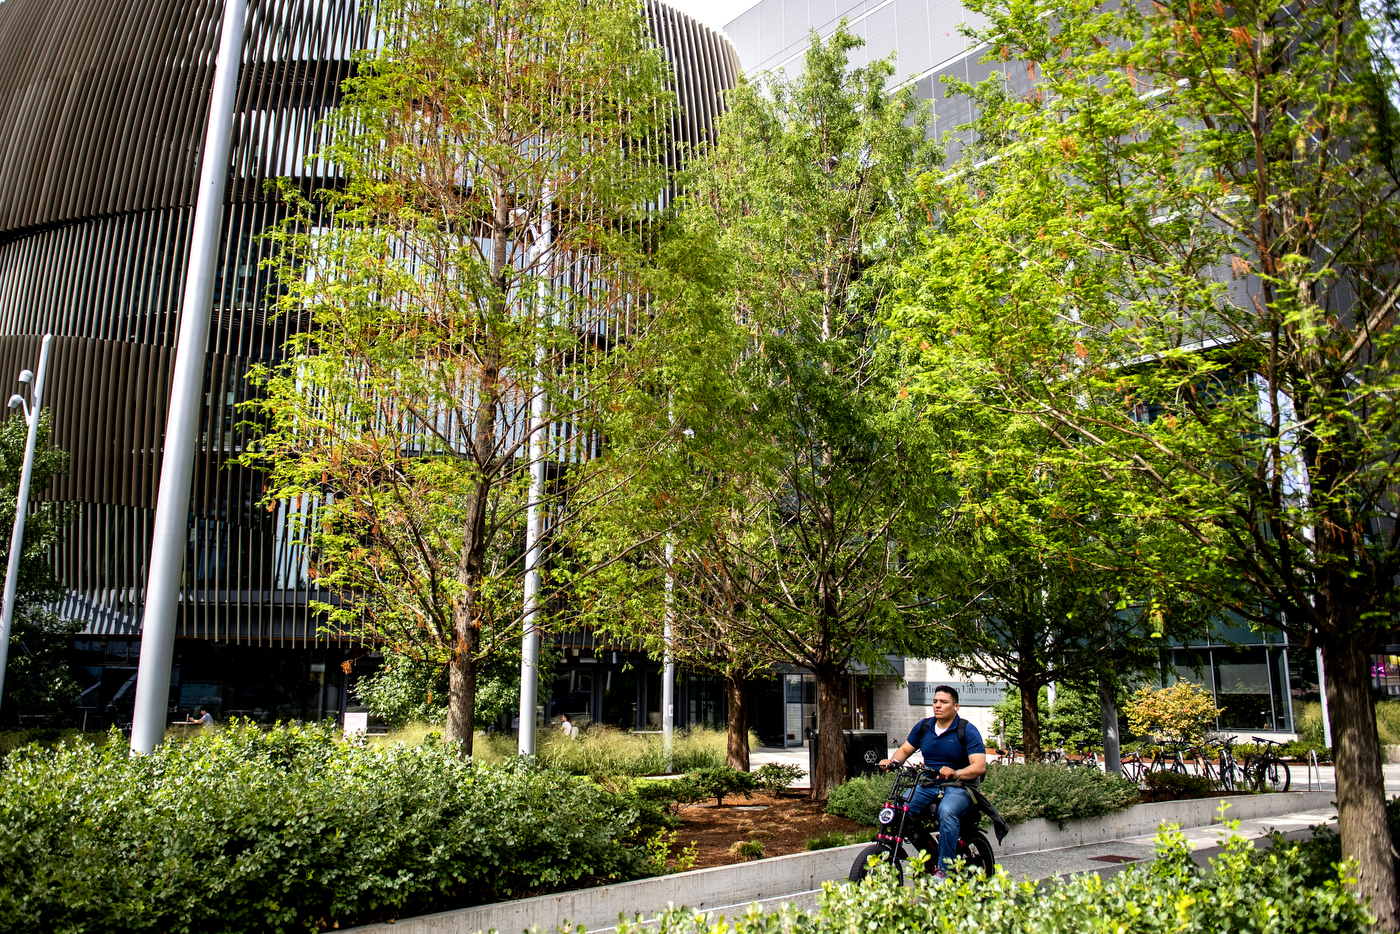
[1322,692]
[31,413]
[534,546]
[170,534]
[534,534]
[668,672]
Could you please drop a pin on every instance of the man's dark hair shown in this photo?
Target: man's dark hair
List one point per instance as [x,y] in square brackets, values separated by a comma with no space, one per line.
[950,691]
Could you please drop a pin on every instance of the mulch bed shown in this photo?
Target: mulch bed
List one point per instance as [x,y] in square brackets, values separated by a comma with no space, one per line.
[784,824]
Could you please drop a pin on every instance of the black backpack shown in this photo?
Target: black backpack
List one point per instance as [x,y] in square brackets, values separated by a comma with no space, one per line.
[923,726]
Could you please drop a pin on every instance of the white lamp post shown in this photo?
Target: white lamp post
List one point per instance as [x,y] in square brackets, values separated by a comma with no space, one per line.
[31,416]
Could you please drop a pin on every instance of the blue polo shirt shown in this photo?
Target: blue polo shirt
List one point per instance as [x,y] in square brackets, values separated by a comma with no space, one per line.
[946,750]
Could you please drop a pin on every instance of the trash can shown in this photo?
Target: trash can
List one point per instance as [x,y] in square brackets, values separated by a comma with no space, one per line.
[864,750]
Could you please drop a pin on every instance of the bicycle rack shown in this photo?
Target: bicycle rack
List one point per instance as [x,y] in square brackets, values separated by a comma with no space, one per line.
[1312,766]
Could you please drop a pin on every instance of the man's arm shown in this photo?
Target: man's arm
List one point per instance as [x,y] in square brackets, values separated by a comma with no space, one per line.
[904,752]
[976,768]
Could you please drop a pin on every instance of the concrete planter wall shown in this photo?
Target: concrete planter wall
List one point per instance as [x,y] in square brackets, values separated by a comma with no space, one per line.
[726,887]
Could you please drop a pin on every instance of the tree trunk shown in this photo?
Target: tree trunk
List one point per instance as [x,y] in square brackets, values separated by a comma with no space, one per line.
[738,703]
[1030,719]
[461,695]
[831,739]
[1108,715]
[1360,781]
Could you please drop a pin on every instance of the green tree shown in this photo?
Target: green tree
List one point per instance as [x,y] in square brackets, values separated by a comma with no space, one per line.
[808,195]
[1033,590]
[38,678]
[1178,254]
[479,266]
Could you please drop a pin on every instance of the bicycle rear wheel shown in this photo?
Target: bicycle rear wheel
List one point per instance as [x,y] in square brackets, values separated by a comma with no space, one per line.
[978,853]
[1132,769]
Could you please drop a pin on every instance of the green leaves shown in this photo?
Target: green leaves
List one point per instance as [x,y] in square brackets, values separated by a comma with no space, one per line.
[286,830]
[1274,891]
[1167,259]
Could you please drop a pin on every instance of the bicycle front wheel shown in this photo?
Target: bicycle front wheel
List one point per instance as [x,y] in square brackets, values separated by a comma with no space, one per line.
[1227,774]
[883,854]
[1276,776]
[1132,770]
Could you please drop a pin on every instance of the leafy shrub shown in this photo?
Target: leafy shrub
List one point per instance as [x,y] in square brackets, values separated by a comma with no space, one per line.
[602,750]
[1173,786]
[10,740]
[747,849]
[860,799]
[674,793]
[720,781]
[1310,727]
[835,838]
[1021,792]
[1244,889]
[660,859]
[1323,849]
[242,830]
[1185,711]
[1294,750]
[1387,721]
[777,777]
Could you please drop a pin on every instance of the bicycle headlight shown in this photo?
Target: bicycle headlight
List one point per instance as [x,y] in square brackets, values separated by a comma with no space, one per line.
[886,815]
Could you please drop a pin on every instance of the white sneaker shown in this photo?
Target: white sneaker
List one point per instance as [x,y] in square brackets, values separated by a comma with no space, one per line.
[939,877]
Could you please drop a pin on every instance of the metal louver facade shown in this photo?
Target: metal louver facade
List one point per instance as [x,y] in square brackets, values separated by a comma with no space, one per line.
[102,113]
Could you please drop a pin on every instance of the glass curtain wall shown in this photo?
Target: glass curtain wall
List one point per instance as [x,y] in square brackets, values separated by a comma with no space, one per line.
[1258,687]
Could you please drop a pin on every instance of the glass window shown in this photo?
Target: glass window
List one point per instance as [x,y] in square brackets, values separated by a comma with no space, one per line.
[1243,689]
[1193,665]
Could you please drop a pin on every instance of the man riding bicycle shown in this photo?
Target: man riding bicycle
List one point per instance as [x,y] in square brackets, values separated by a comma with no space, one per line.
[953,749]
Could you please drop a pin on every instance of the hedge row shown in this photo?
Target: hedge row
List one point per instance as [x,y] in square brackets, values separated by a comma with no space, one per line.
[1282,890]
[1020,792]
[288,830]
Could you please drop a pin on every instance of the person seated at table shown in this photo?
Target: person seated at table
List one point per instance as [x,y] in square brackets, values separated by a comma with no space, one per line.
[205,719]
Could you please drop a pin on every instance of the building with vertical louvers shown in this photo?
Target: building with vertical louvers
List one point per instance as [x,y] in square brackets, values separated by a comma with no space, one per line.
[102,116]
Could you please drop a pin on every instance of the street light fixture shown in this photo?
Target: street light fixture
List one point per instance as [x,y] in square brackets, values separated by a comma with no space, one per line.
[31,417]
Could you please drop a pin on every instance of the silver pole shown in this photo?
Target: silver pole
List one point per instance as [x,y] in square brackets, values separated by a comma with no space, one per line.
[534,537]
[31,414]
[170,535]
[668,673]
[1322,691]
[534,546]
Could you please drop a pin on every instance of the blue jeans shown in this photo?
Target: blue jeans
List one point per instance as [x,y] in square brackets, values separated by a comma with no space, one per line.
[951,809]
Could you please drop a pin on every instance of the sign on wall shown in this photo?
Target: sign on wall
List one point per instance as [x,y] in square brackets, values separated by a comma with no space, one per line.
[970,693]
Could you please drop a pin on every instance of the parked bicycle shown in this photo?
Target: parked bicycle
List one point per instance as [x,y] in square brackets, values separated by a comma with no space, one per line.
[1266,770]
[900,829]
[1008,756]
[1169,757]
[1134,766]
[1216,762]
[1086,758]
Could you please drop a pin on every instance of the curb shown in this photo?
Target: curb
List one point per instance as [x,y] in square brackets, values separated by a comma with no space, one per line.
[731,886]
